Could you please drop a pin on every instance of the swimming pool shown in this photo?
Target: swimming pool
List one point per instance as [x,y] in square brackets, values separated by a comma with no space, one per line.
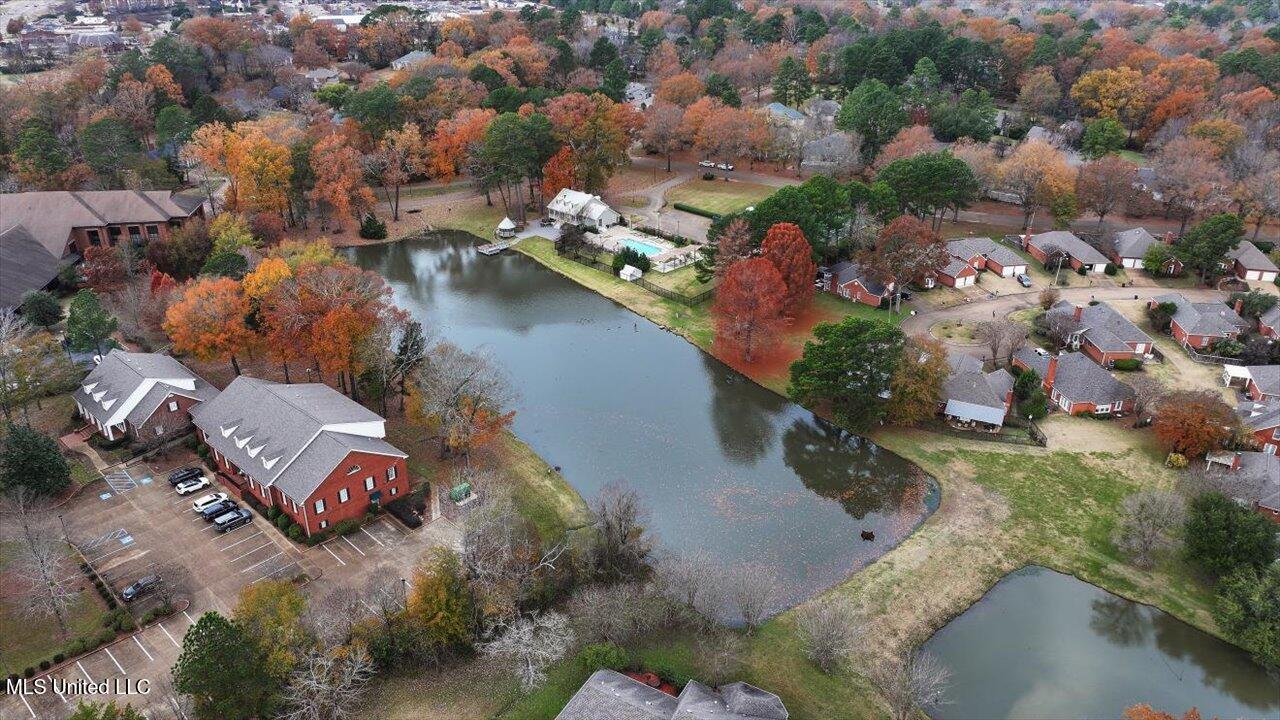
[643,248]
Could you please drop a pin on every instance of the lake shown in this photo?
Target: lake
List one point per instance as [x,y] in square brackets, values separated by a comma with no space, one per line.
[721,463]
[1041,644]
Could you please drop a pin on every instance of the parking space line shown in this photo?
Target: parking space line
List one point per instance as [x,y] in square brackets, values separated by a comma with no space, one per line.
[366,532]
[59,691]
[114,660]
[228,547]
[247,554]
[166,633]
[335,556]
[24,702]
[143,649]
[273,572]
[262,561]
[189,619]
[96,558]
[87,676]
[233,531]
[353,545]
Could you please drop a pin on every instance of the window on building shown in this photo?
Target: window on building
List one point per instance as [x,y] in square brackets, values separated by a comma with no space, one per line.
[343,495]
[324,524]
[353,469]
[153,232]
[173,406]
[159,430]
[319,507]
[113,235]
[391,473]
[394,490]
[95,238]
[135,234]
[368,483]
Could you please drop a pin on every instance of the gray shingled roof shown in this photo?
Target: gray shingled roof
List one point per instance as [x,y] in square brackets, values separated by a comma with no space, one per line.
[1211,318]
[972,394]
[1133,243]
[289,436]
[1103,326]
[1078,378]
[110,393]
[25,264]
[1271,318]
[848,271]
[610,695]
[1266,377]
[1260,473]
[967,248]
[1069,243]
[1259,415]
[49,216]
[1251,257]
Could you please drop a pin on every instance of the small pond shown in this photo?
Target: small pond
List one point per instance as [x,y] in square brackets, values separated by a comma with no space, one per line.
[1041,644]
[721,463]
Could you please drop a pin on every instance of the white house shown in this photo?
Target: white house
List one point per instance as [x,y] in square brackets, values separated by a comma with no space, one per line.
[579,208]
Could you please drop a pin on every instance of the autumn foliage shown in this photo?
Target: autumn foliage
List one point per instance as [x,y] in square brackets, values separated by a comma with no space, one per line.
[748,307]
[785,246]
[207,320]
[1193,423]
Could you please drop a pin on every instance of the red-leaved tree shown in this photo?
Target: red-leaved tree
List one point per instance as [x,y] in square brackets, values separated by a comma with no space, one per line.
[785,246]
[906,251]
[748,306]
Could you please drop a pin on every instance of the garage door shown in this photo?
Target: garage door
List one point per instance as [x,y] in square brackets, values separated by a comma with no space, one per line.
[1252,275]
[1131,262]
[964,281]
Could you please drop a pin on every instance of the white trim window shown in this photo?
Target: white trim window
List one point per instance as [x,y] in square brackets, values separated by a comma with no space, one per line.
[391,473]
[344,495]
[319,507]
[368,483]
[324,524]
[353,469]
[395,491]
[173,406]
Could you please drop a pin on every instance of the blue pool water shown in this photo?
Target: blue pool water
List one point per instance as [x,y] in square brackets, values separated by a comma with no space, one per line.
[643,248]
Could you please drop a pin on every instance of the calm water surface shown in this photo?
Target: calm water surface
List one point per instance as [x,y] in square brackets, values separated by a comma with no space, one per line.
[721,463]
[1042,644]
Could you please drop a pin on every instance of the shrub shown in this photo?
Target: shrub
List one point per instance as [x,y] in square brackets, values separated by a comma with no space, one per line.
[632,257]
[273,512]
[58,657]
[295,532]
[29,672]
[1110,269]
[708,176]
[44,664]
[1081,271]
[1127,364]
[373,229]
[694,210]
[404,513]
[106,636]
[1222,537]
[1176,460]
[1035,406]
[601,656]
[667,670]
[346,527]
[283,522]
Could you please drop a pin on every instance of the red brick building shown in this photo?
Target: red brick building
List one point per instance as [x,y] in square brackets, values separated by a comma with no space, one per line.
[306,448]
[1103,333]
[143,396]
[847,280]
[1256,478]
[971,255]
[1199,324]
[1076,384]
[1080,254]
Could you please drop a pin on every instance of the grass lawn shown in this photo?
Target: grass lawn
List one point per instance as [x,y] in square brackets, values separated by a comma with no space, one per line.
[956,331]
[1136,158]
[29,639]
[683,281]
[719,196]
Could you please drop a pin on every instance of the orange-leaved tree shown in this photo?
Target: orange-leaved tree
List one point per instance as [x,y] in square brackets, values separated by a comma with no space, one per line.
[207,320]
[785,246]
[454,140]
[557,174]
[1146,712]
[748,306]
[1194,422]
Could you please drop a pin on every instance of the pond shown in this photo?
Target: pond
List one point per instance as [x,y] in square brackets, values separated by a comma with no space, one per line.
[721,463]
[1041,644]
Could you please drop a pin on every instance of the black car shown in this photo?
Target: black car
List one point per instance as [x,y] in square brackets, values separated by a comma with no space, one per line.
[184,473]
[220,508]
[140,588]
[232,520]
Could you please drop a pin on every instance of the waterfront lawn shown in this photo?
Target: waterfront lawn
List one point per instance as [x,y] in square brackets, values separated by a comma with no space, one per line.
[27,639]
[683,281]
[719,196]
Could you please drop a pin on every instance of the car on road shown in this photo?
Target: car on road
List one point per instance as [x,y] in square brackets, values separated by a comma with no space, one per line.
[1023,279]
[724,166]
[906,296]
[232,520]
[218,509]
[140,588]
[546,222]
[183,473]
[1042,352]
[186,487]
[706,164]
[206,500]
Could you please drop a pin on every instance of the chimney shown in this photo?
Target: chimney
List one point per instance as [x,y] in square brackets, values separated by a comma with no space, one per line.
[1235,460]
[1051,372]
[1168,238]
[1239,305]
[1008,400]
[1026,240]
[1079,312]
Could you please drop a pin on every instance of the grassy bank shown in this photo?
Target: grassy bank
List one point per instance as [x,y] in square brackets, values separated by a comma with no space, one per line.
[29,639]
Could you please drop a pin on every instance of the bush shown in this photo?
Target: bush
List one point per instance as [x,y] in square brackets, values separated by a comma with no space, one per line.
[1222,537]
[404,513]
[1110,269]
[1127,364]
[283,522]
[1081,271]
[1176,460]
[106,636]
[295,533]
[694,209]
[58,657]
[29,672]
[44,664]
[273,512]
[632,257]
[708,176]
[1035,406]
[346,527]
[601,656]
[667,670]
[373,229]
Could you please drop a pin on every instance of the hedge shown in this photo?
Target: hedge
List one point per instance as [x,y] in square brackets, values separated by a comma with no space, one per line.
[346,527]
[402,510]
[1127,364]
[695,210]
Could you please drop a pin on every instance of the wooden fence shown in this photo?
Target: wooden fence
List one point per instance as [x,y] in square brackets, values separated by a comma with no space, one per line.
[1009,435]
[690,300]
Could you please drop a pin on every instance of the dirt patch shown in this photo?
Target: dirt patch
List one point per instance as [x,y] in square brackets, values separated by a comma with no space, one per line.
[956,332]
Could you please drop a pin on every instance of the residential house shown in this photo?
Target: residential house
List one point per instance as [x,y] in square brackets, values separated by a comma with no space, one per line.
[410,59]
[971,255]
[320,77]
[974,397]
[1200,325]
[1255,479]
[1104,334]
[639,95]
[848,280]
[1247,262]
[307,449]
[39,231]
[1262,420]
[579,208]
[145,397]
[1260,382]
[1077,384]
[610,695]
[832,154]
[1080,254]
[1269,322]
[821,109]
[1129,247]
[783,113]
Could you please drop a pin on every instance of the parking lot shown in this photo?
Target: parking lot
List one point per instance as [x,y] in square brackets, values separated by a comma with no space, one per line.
[134,523]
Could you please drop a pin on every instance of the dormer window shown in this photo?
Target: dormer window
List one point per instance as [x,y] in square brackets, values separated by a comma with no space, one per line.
[226,431]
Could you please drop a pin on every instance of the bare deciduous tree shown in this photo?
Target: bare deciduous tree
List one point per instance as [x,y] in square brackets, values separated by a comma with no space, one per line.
[1147,519]
[719,654]
[332,617]
[621,543]
[43,570]
[1059,327]
[830,628]
[13,328]
[532,643]
[1049,297]
[501,554]
[1002,337]
[328,685]
[908,680]
[456,389]
[620,613]
[174,581]
[1148,391]
[691,579]
[750,592]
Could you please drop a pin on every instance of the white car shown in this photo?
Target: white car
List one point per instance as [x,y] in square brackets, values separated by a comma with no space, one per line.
[186,487]
[724,166]
[208,500]
[706,163]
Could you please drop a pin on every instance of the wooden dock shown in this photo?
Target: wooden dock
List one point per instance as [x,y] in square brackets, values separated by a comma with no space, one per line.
[494,248]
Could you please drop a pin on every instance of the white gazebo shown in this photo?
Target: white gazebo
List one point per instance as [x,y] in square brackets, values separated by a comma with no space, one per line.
[506,229]
[630,273]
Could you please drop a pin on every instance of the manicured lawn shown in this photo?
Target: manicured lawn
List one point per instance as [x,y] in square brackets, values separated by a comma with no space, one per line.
[683,281]
[956,331]
[28,639]
[719,196]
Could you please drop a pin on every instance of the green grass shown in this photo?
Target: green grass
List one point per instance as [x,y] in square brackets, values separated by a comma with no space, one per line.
[719,196]
[28,639]
[683,280]
[1136,158]
[542,495]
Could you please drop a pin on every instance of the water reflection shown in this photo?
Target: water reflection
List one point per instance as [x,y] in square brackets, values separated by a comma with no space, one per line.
[1120,621]
[745,426]
[814,448]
